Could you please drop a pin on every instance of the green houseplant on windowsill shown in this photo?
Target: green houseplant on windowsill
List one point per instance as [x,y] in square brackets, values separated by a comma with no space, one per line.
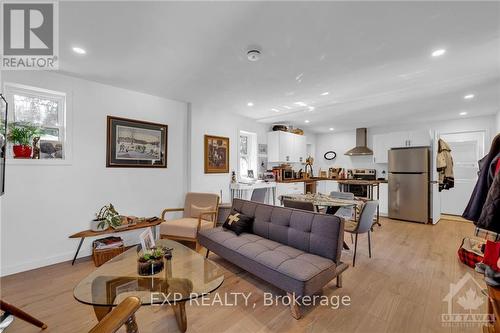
[21,135]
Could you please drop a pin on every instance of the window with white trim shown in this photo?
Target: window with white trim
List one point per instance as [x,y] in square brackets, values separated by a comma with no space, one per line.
[42,108]
[247,155]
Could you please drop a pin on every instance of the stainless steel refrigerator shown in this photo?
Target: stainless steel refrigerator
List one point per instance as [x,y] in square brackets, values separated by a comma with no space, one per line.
[409,181]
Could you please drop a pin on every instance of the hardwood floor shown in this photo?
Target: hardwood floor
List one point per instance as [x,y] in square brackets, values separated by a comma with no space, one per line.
[401,289]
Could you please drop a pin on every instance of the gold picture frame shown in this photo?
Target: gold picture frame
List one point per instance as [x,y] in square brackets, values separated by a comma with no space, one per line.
[216,154]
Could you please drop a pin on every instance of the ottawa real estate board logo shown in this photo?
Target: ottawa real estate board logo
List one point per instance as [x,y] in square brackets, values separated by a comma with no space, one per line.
[466,304]
[29,35]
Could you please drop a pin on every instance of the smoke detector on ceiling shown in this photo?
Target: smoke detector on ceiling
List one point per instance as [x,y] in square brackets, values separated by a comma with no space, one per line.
[253,55]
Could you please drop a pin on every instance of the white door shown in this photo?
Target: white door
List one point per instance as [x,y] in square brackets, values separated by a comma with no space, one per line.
[467,148]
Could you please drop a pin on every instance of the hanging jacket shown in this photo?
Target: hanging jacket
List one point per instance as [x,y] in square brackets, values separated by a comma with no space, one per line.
[444,165]
[473,210]
[490,214]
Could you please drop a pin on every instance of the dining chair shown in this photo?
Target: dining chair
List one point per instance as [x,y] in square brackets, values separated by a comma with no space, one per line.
[259,195]
[344,212]
[199,212]
[297,204]
[362,226]
[122,314]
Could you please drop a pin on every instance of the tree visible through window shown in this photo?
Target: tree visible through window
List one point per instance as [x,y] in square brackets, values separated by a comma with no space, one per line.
[41,108]
[42,112]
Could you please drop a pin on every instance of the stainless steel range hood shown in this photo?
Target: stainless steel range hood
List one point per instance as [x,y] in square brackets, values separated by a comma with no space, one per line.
[361,148]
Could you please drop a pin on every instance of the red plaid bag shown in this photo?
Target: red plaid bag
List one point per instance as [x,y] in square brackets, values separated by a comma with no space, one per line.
[471,251]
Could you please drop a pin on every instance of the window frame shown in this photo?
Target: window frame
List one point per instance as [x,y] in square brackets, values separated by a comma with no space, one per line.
[12,89]
[251,154]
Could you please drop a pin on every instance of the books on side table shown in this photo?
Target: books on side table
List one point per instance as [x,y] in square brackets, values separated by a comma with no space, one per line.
[110,242]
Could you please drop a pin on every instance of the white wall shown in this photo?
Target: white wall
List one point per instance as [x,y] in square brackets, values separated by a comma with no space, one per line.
[44,204]
[219,123]
[498,122]
[343,141]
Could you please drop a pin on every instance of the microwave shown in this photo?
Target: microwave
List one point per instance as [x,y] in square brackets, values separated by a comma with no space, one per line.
[287,174]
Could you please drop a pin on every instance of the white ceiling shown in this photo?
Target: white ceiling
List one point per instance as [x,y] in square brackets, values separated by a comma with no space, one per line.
[373,57]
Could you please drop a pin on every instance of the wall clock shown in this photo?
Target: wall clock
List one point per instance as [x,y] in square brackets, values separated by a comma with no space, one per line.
[330,155]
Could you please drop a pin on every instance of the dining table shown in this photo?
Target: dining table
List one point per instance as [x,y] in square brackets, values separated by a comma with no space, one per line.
[323,200]
[331,204]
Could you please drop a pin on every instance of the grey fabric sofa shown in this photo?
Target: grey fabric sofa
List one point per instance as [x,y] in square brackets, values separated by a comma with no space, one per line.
[297,251]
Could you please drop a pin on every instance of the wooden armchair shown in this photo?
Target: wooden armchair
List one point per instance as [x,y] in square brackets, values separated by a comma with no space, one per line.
[122,314]
[11,310]
[199,212]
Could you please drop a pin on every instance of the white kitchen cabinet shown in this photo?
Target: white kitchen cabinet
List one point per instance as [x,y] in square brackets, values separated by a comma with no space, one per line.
[327,186]
[286,147]
[383,201]
[289,188]
[300,148]
[419,138]
[382,143]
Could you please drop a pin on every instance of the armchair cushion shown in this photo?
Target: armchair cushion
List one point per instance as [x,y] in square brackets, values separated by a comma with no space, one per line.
[196,211]
[184,227]
[201,200]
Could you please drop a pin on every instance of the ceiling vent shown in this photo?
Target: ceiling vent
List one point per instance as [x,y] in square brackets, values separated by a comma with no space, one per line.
[361,148]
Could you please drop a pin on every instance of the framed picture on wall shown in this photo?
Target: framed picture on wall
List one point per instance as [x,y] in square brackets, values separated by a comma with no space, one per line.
[216,154]
[3,140]
[135,143]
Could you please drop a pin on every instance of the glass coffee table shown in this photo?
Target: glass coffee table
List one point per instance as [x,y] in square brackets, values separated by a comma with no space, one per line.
[188,275]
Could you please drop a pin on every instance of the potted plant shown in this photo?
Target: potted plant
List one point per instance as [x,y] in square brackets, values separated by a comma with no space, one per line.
[21,135]
[106,217]
[150,262]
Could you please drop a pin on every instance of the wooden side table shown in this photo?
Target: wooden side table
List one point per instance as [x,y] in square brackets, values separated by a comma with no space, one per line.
[89,233]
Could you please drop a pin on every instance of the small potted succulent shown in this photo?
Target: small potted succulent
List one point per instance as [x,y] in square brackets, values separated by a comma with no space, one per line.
[150,262]
[106,217]
[21,135]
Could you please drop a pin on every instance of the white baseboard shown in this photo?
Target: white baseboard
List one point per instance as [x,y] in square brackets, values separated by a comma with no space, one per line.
[29,265]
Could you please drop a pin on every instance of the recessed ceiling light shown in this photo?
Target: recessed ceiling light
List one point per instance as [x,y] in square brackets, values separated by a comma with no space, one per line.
[331,128]
[311,108]
[438,53]
[275,110]
[300,103]
[79,50]
[463,113]
[306,121]
[325,93]
[287,107]
[469,96]
[250,104]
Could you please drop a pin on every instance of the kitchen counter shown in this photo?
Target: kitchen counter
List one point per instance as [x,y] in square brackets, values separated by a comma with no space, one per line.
[341,181]
[299,180]
[360,182]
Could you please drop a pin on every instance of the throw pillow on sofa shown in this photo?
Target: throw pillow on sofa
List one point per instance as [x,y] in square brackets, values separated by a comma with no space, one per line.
[238,222]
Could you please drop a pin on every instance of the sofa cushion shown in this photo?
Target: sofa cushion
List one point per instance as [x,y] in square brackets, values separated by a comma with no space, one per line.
[292,262]
[319,234]
[184,227]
